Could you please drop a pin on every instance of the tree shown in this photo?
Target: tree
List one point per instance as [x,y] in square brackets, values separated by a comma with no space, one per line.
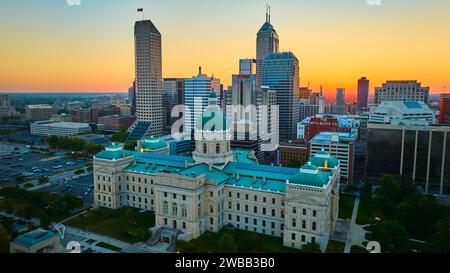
[79,171]
[295,163]
[392,237]
[418,214]
[4,240]
[366,192]
[130,146]
[311,248]
[440,242]
[120,136]
[226,244]
[43,180]
[94,148]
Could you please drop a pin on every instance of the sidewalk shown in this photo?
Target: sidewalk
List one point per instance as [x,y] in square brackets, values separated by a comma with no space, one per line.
[356,234]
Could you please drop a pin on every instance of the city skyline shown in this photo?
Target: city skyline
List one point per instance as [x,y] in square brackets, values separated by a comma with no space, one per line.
[90,47]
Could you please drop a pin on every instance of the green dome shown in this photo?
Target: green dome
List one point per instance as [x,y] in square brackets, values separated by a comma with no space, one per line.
[213,119]
[321,157]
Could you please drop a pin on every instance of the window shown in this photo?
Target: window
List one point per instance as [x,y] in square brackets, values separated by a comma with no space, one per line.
[217,148]
[294,222]
[246,207]
[238,206]
[246,220]
[303,224]
[211,194]
[314,226]
[246,197]
[174,196]
[238,195]
[205,148]
[273,201]
[166,208]
[165,194]
[211,209]
[303,238]
[230,205]
[255,198]
[184,197]
[313,240]
[304,211]
[255,222]
[264,199]
[264,211]
[273,212]
[211,221]
[229,194]
[184,225]
[229,217]
[314,213]
[294,210]
[293,237]
[255,209]
[184,212]
[174,209]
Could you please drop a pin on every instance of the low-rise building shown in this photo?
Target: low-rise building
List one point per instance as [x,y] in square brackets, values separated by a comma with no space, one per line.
[402,112]
[36,241]
[293,152]
[39,112]
[53,128]
[116,122]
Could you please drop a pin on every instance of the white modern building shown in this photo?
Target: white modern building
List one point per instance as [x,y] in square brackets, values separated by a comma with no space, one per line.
[341,146]
[220,187]
[52,128]
[402,112]
[401,91]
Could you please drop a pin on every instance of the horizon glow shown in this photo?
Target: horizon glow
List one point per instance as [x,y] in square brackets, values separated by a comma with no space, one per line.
[50,46]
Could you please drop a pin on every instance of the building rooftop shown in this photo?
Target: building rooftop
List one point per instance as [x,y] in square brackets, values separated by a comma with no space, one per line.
[39,106]
[62,124]
[330,137]
[34,237]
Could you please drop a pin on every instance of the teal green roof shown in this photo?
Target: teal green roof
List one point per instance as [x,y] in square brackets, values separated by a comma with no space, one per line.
[311,175]
[258,184]
[242,156]
[213,120]
[162,159]
[214,175]
[320,158]
[112,155]
[153,144]
[260,171]
[34,237]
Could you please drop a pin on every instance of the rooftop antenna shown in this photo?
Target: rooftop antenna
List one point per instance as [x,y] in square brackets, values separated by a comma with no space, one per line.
[321,89]
[141,10]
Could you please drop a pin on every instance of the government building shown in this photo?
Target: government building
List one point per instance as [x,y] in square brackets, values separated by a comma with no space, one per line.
[219,187]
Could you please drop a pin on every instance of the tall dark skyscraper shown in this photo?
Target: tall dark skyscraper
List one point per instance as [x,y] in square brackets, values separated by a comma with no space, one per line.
[149,91]
[363,93]
[267,42]
[444,113]
[281,73]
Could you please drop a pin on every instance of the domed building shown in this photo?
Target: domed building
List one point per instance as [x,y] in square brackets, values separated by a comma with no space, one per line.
[219,187]
[212,136]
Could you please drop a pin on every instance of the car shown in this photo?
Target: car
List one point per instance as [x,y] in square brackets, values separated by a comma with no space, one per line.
[20,159]
[57,167]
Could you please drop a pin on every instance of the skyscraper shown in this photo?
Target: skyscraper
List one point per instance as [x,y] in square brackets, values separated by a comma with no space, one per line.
[341,106]
[444,113]
[196,93]
[149,91]
[401,91]
[173,94]
[281,73]
[363,94]
[266,42]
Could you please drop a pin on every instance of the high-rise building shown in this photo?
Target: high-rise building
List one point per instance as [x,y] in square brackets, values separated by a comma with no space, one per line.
[241,99]
[6,107]
[341,145]
[173,95]
[363,94]
[247,66]
[420,154]
[307,109]
[341,106]
[267,42]
[196,92]
[401,91]
[304,93]
[132,98]
[149,98]
[281,73]
[444,113]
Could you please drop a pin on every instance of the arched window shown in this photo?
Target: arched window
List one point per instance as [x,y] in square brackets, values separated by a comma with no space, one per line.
[218,148]
[205,148]
[166,207]
[174,209]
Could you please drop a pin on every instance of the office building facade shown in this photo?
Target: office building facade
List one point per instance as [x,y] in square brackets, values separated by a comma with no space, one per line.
[401,91]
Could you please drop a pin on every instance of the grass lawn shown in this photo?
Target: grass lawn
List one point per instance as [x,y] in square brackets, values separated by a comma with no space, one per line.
[108,246]
[127,224]
[246,242]
[346,203]
[364,216]
[335,247]
[358,249]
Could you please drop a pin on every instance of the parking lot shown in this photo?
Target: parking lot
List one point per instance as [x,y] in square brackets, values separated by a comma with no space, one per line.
[81,187]
[32,165]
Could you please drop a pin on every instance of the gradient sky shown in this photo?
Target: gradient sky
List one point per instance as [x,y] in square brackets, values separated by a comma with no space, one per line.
[47,45]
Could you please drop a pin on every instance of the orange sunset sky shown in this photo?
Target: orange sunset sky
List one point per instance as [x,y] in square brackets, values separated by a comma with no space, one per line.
[48,45]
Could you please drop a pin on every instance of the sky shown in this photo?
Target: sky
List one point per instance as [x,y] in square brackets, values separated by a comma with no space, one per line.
[48,45]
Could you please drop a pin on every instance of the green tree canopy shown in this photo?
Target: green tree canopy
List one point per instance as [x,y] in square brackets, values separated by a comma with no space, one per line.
[311,248]
[392,237]
[227,244]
